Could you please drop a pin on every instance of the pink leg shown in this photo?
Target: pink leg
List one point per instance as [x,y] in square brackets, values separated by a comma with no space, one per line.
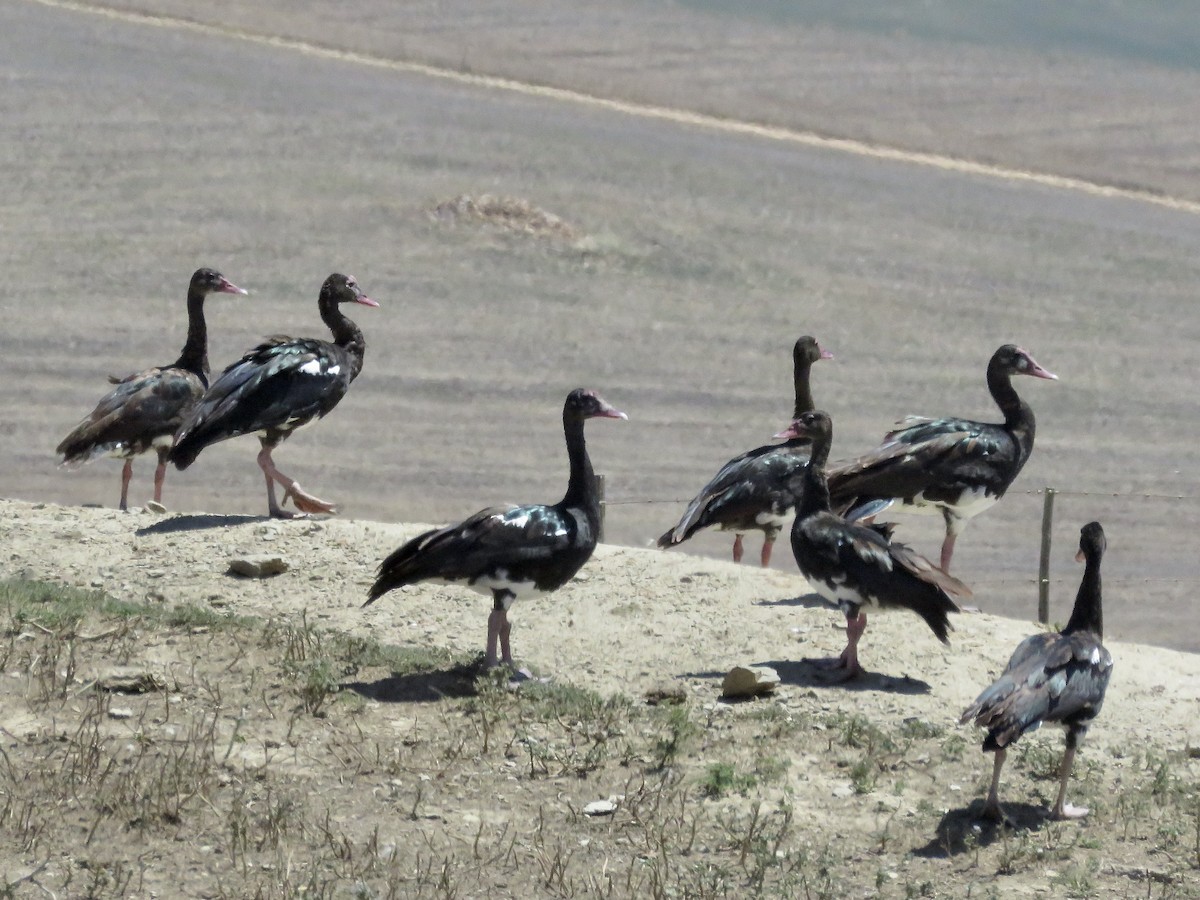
[854,630]
[737,548]
[303,501]
[126,475]
[948,550]
[160,475]
[768,544]
[847,662]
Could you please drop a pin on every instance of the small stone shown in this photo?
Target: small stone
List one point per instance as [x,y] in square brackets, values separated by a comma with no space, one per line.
[120,712]
[600,808]
[749,681]
[843,790]
[155,507]
[666,692]
[130,680]
[263,565]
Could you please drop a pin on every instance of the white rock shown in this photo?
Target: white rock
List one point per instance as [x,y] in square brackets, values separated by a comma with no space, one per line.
[263,565]
[750,681]
[600,808]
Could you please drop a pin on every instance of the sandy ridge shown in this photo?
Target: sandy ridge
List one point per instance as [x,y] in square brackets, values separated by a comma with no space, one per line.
[633,618]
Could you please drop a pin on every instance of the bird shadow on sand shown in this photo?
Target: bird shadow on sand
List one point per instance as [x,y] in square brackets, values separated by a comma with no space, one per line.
[805,674]
[965,830]
[419,687]
[807,601]
[197,522]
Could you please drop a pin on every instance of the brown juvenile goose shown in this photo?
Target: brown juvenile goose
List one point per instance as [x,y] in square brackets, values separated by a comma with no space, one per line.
[146,408]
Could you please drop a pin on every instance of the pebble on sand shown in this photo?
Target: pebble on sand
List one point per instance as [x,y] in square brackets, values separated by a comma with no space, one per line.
[749,681]
[263,565]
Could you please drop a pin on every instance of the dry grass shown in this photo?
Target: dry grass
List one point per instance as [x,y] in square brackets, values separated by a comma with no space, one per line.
[508,213]
[285,761]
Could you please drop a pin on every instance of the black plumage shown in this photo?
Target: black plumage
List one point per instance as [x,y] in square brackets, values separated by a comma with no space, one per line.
[853,565]
[1051,678]
[510,552]
[957,467]
[146,408]
[755,491]
[281,385]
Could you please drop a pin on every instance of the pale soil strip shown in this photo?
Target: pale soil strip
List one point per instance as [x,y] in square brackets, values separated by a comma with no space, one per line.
[647,111]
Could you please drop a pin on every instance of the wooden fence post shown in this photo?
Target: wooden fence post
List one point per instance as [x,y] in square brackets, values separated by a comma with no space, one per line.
[603,505]
[1044,562]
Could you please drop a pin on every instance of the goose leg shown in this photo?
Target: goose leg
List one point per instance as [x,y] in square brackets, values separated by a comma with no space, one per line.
[506,656]
[737,548]
[848,660]
[273,507]
[160,473]
[991,806]
[954,526]
[948,550]
[1062,809]
[496,621]
[126,475]
[854,630]
[303,501]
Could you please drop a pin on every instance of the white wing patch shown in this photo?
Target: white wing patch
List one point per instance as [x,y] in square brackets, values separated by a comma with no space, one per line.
[485,584]
[971,503]
[312,367]
[520,521]
[769,517]
[836,593]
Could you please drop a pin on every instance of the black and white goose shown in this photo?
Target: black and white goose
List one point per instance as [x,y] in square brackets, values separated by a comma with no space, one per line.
[751,492]
[1051,678]
[145,409]
[956,467]
[853,565]
[511,552]
[282,384]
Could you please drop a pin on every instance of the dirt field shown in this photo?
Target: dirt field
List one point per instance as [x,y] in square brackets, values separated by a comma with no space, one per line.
[322,750]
